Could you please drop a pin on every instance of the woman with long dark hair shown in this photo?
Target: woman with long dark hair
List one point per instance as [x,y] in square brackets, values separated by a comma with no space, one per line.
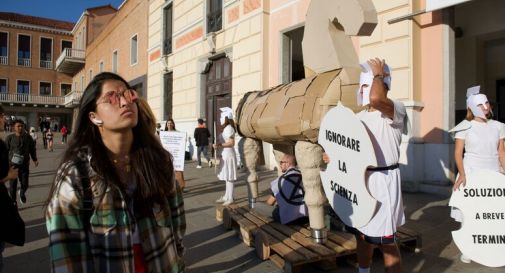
[114,205]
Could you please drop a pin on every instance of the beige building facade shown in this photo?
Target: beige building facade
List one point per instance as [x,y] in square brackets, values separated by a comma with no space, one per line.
[206,54]
[107,39]
[30,87]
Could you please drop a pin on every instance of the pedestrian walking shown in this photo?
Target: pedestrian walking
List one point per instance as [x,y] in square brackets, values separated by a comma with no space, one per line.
[202,136]
[114,206]
[21,147]
[50,139]
[64,132]
[34,136]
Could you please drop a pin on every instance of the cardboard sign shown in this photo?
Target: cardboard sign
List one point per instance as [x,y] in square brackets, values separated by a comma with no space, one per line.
[175,143]
[482,234]
[345,139]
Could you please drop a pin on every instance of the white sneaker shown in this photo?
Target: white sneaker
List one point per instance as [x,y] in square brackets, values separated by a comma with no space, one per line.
[228,202]
[464,259]
[221,199]
[198,167]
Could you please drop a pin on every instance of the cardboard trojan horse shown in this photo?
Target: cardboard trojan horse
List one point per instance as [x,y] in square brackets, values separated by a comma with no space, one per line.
[289,115]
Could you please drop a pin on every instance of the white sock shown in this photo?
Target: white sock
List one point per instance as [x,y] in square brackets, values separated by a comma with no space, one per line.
[364,270]
[229,190]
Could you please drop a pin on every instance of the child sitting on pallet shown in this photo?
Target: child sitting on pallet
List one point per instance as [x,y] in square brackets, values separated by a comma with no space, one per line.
[288,193]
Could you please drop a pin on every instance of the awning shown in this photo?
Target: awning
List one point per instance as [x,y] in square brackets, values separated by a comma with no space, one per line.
[431,5]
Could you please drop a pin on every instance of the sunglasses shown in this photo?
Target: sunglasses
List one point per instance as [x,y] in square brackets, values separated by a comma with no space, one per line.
[114,97]
[281,162]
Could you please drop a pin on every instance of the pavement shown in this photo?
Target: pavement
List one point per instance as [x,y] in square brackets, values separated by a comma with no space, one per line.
[211,248]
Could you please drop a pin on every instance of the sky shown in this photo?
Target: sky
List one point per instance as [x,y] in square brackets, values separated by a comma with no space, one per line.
[66,10]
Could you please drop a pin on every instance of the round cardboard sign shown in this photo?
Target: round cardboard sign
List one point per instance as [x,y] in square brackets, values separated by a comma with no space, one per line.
[346,141]
[482,234]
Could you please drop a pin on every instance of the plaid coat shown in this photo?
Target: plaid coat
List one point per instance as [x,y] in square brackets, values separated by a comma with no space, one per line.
[107,246]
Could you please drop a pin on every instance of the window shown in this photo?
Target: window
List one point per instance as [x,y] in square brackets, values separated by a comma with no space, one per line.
[23,87]
[168,95]
[24,50]
[214,15]
[114,61]
[46,52]
[292,55]
[100,67]
[3,86]
[66,88]
[167,29]
[82,83]
[90,74]
[45,88]
[66,44]
[133,50]
[4,44]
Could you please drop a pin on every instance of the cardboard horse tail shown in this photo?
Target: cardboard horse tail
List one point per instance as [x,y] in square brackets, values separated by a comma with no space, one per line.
[289,115]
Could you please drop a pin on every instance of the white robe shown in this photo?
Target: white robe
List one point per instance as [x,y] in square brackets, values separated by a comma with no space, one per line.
[481,148]
[228,164]
[385,186]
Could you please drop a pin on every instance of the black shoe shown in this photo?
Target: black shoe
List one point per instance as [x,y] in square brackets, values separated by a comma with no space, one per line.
[22,198]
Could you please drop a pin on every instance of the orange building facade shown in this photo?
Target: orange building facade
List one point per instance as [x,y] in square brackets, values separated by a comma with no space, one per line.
[30,87]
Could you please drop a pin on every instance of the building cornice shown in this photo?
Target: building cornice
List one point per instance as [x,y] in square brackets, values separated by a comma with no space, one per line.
[35,27]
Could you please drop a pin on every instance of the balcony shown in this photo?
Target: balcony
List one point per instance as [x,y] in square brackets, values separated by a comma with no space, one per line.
[46,64]
[4,60]
[24,62]
[72,99]
[29,99]
[71,61]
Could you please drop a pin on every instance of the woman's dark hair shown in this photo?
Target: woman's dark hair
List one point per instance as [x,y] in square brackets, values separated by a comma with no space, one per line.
[166,126]
[230,122]
[154,180]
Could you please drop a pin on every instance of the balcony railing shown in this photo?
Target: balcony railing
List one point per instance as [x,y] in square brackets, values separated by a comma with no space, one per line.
[4,60]
[26,98]
[25,62]
[46,64]
[71,61]
[73,98]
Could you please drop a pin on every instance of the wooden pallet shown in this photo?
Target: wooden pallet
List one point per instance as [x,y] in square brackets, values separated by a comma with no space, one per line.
[291,247]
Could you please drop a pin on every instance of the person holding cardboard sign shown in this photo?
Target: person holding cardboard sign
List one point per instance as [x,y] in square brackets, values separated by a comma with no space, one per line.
[385,120]
[478,145]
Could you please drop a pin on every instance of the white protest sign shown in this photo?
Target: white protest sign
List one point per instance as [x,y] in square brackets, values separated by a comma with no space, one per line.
[345,139]
[482,234]
[175,143]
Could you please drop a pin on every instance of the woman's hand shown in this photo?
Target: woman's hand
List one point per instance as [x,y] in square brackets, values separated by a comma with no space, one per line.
[215,146]
[461,180]
[326,158]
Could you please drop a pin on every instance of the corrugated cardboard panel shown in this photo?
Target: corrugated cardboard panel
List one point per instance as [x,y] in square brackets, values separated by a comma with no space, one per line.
[321,83]
[349,96]
[299,88]
[350,75]
[289,123]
